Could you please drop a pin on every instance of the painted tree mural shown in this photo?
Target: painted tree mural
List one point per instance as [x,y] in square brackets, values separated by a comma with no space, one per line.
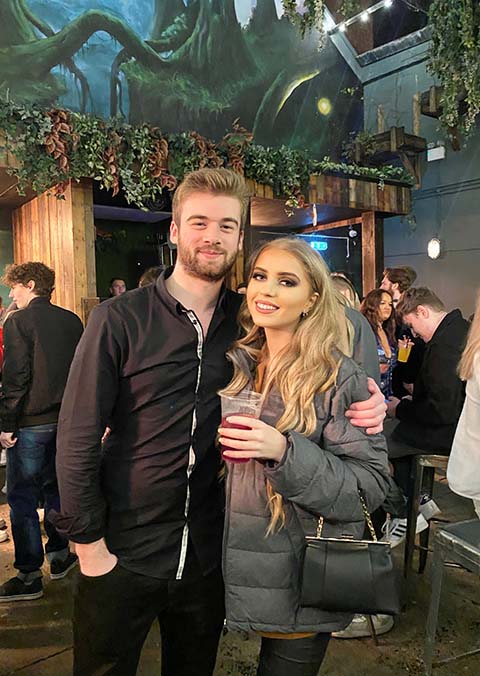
[198,68]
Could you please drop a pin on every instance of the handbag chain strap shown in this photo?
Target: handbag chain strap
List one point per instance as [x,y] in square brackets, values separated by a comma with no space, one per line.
[366,514]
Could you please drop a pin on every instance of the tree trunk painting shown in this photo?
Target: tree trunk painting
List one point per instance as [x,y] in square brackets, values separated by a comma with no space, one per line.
[197,69]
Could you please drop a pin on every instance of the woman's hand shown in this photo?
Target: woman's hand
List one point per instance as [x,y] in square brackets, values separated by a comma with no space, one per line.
[260,441]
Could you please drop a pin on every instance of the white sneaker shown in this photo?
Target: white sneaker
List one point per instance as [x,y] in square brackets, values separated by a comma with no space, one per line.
[428,507]
[358,627]
[396,530]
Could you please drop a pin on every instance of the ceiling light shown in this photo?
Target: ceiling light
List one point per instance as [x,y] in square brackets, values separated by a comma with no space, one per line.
[364,16]
[388,3]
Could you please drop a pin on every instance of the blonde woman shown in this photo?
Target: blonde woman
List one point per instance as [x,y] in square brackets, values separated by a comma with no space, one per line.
[345,287]
[307,460]
[463,471]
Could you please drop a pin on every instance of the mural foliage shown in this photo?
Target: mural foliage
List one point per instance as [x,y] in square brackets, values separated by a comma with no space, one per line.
[181,65]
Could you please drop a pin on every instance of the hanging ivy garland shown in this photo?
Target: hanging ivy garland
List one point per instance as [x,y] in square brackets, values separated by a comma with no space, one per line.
[455,59]
[310,19]
[56,146]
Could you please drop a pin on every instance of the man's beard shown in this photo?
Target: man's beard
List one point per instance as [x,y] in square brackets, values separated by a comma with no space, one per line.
[207,271]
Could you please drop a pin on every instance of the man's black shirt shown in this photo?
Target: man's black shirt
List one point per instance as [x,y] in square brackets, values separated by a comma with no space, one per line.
[144,368]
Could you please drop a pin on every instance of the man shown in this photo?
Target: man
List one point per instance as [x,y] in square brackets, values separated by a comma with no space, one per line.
[147,513]
[397,281]
[428,418]
[39,340]
[117,287]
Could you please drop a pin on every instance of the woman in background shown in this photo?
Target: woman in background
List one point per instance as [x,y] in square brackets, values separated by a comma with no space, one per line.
[377,307]
[346,288]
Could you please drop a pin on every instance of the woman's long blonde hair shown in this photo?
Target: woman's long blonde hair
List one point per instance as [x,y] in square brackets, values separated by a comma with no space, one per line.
[465,368]
[310,363]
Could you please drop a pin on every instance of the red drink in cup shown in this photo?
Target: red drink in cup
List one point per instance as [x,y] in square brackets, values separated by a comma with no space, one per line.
[246,404]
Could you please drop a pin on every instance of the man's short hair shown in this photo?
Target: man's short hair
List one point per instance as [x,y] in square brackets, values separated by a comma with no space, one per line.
[119,279]
[404,276]
[43,276]
[215,181]
[416,296]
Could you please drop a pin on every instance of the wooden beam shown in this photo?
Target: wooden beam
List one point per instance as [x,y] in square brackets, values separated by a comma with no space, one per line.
[372,250]
[336,224]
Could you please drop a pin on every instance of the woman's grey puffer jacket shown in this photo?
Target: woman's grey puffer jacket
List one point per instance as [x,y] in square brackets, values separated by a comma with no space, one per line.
[321,476]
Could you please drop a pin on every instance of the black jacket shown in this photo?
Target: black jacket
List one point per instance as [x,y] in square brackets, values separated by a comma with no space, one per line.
[144,367]
[39,344]
[429,420]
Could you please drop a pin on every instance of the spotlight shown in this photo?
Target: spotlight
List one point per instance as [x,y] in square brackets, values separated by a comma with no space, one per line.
[388,3]
[342,28]
[364,16]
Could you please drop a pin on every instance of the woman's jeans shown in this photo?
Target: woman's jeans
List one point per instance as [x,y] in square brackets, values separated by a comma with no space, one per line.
[31,479]
[292,657]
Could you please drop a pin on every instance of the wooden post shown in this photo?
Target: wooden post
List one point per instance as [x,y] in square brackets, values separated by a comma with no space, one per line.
[417,111]
[372,250]
[61,234]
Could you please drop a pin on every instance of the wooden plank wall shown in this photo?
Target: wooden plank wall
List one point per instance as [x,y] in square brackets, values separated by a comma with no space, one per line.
[61,234]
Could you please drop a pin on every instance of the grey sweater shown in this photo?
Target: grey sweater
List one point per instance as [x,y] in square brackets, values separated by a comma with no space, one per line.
[318,476]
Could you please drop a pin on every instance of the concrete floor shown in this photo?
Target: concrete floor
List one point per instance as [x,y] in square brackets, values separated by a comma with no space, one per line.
[36,640]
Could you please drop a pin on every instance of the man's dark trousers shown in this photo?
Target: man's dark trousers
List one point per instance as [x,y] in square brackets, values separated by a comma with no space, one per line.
[31,478]
[113,614]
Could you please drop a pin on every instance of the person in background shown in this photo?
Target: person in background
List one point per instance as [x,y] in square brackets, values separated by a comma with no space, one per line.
[117,287]
[309,462]
[425,421]
[344,286]
[463,471]
[397,281]
[377,308]
[3,309]
[150,275]
[39,342]
[147,509]
[363,346]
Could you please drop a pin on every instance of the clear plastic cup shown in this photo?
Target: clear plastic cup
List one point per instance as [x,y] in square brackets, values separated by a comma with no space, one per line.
[247,404]
[404,349]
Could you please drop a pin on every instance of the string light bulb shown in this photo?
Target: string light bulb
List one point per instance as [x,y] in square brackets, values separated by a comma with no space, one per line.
[362,16]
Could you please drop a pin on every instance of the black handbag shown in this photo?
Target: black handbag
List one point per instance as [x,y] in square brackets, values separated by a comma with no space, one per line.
[346,575]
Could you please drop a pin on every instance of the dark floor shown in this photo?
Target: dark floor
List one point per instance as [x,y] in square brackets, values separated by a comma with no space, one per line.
[35,636]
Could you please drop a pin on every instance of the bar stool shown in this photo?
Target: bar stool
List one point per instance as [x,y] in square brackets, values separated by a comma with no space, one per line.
[423,476]
[460,543]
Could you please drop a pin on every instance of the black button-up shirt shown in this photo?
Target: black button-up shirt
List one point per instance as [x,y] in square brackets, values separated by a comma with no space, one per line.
[144,368]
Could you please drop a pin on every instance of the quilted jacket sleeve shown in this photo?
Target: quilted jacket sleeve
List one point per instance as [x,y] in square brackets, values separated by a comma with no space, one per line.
[324,478]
